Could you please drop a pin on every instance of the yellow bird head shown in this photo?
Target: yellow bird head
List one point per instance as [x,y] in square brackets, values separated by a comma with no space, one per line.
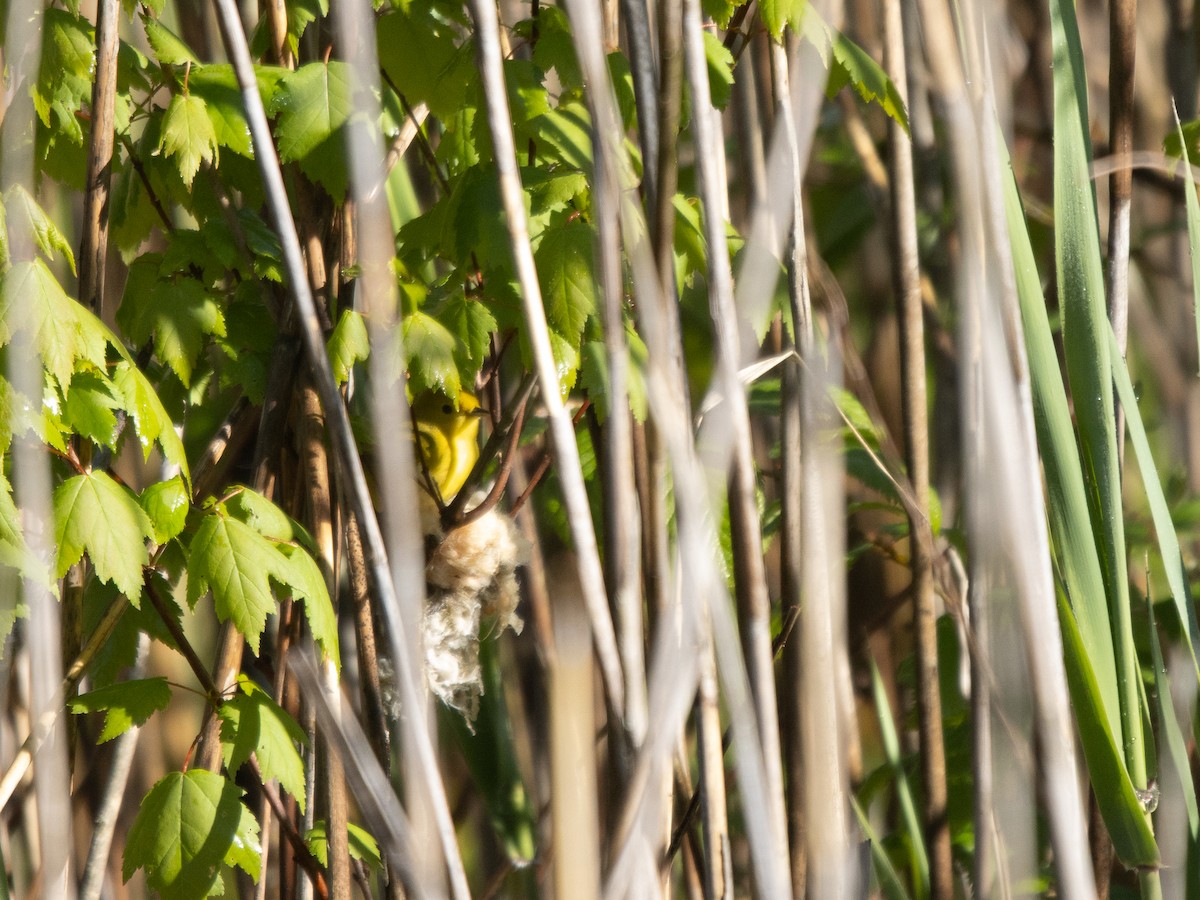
[448,431]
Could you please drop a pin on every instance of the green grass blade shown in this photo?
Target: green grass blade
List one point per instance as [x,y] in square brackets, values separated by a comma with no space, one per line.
[889,879]
[1170,733]
[908,808]
[1164,527]
[1127,826]
[1193,223]
[1070,522]
[1089,366]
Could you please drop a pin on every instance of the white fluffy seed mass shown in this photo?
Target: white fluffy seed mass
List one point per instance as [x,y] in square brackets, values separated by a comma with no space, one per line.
[471,579]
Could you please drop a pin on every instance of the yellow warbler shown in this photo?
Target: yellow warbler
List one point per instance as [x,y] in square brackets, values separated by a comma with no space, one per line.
[449,434]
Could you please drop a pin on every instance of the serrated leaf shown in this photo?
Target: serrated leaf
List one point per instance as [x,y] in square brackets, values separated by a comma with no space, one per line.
[778,13]
[64,82]
[312,105]
[251,722]
[179,314]
[421,57]
[429,354]
[167,504]
[362,844]
[235,561]
[188,824]
[349,344]
[472,324]
[150,417]
[567,132]
[555,48]
[871,83]
[126,704]
[188,135]
[265,517]
[89,408]
[302,575]
[21,212]
[720,70]
[94,514]
[218,87]
[168,48]
[566,267]
[33,303]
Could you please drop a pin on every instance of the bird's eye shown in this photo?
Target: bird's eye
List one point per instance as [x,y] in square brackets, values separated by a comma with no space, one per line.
[447,409]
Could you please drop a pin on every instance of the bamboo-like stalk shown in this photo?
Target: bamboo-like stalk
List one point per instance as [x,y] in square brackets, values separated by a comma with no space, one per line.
[409,568]
[93,249]
[31,477]
[1122,17]
[906,280]
[315,478]
[792,450]
[717,862]
[562,433]
[620,506]
[754,605]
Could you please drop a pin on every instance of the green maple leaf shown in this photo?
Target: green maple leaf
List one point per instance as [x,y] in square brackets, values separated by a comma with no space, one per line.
[421,57]
[89,409]
[218,87]
[312,105]
[149,415]
[179,314]
[188,135]
[168,48]
[21,211]
[167,504]
[94,514]
[33,303]
[251,722]
[472,324]
[720,70]
[302,575]
[235,561]
[778,13]
[126,704]
[429,354]
[188,825]
[567,270]
[362,844]
[349,344]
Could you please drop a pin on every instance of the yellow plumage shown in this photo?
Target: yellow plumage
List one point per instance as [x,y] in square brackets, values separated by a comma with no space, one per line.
[448,430]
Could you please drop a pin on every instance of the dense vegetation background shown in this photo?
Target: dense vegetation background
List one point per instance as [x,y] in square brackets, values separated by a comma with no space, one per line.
[822,541]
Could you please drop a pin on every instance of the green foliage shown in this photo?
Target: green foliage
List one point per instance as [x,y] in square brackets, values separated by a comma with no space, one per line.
[94,514]
[362,845]
[188,826]
[253,723]
[126,704]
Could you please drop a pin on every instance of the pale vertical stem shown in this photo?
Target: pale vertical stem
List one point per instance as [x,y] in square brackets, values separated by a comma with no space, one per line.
[1122,32]
[717,863]
[94,243]
[754,605]
[562,432]
[620,507]
[315,467]
[32,480]
[114,794]
[645,90]
[574,808]
[366,159]
[793,444]
[906,280]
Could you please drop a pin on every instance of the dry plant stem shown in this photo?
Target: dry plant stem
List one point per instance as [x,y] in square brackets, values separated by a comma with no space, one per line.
[620,505]
[754,606]
[346,453]
[792,489]
[31,476]
[1123,40]
[562,433]
[906,279]
[645,88]
[717,863]
[114,793]
[320,508]
[368,654]
[94,244]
